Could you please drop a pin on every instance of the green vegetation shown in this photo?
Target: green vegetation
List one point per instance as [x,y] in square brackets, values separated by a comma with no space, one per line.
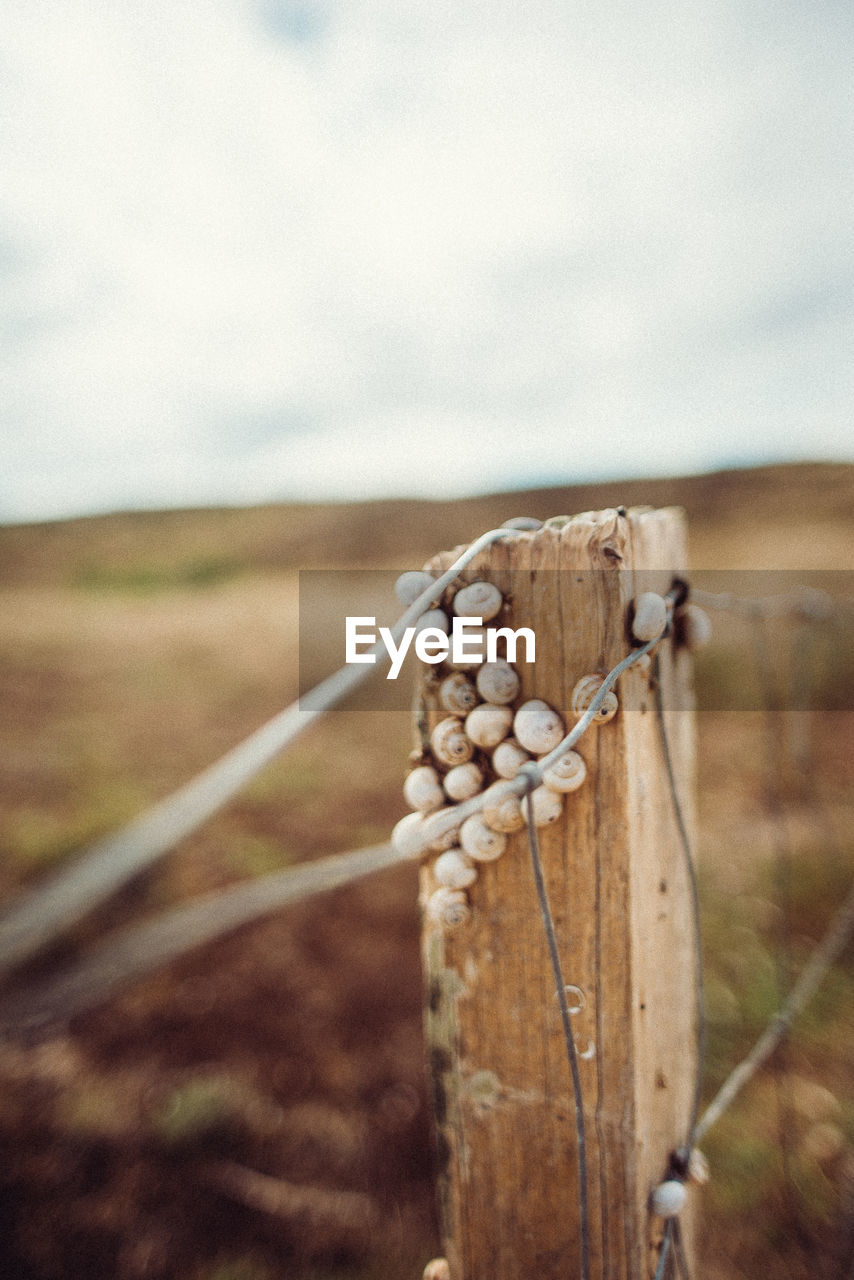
[147,579]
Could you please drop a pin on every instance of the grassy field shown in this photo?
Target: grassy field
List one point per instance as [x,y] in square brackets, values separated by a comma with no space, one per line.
[169,1133]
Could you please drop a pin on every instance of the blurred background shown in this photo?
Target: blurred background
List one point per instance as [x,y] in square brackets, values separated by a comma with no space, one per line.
[539,243]
[290,285]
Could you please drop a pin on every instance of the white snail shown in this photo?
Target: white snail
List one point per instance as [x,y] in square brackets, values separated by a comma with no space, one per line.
[668,1198]
[566,774]
[463,781]
[508,758]
[447,840]
[422,789]
[650,616]
[547,805]
[437,1269]
[409,837]
[527,523]
[454,870]
[415,833]
[497,682]
[502,809]
[488,724]
[475,643]
[457,694]
[441,830]
[412,584]
[436,618]
[478,600]
[448,907]
[698,1168]
[695,626]
[480,842]
[584,693]
[449,742]
[537,727]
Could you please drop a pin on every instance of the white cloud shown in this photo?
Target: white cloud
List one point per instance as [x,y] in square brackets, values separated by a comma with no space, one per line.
[285,248]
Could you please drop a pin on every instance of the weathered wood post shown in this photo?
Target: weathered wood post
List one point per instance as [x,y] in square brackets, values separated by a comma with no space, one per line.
[504,1112]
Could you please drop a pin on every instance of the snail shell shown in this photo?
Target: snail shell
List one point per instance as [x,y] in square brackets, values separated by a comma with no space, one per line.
[480,842]
[433,618]
[442,829]
[508,758]
[422,789]
[446,840]
[698,1168]
[409,837]
[412,584]
[437,1269]
[584,693]
[650,617]
[448,908]
[527,523]
[464,781]
[537,727]
[502,809]
[566,774]
[668,1198]
[478,600]
[475,643]
[449,742]
[457,694]
[488,724]
[547,805]
[497,682]
[695,626]
[454,870]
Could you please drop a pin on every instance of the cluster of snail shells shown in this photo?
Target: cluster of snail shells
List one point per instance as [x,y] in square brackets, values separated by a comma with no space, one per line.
[484,735]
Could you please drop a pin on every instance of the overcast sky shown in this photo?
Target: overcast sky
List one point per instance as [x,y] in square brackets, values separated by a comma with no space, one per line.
[262,249]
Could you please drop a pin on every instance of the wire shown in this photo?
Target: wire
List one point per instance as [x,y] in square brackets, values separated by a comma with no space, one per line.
[145,946]
[694,890]
[438,824]
[679,1251]
[566,1019]
[39,916]
[809,603]
[827,952]
[156,942]
[664,1256]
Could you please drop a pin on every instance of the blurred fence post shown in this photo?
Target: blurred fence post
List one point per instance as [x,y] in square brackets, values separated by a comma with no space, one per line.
[503,1104]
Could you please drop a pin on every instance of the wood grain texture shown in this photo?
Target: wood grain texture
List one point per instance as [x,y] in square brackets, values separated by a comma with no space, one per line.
[504,1111]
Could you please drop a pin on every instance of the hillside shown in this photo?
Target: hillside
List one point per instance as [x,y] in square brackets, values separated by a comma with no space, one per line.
[796,516]
[135,648]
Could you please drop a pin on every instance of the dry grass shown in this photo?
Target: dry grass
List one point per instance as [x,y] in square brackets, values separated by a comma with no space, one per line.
[133,650]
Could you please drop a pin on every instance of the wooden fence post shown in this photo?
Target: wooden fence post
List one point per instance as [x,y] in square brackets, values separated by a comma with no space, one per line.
[503,1103]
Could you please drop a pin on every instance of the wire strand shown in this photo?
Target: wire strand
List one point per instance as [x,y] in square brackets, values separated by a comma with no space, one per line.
[694,890]
[810,603]
[143,947]
[827,952]
[569,1039]
[679,1251]
[40,915]
[149,945]
[664,1256]
[437,824]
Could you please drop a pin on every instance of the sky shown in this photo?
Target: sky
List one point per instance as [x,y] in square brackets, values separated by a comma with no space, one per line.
[261,250]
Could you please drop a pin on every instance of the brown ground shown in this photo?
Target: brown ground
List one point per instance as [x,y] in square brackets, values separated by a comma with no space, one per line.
[257,1110]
